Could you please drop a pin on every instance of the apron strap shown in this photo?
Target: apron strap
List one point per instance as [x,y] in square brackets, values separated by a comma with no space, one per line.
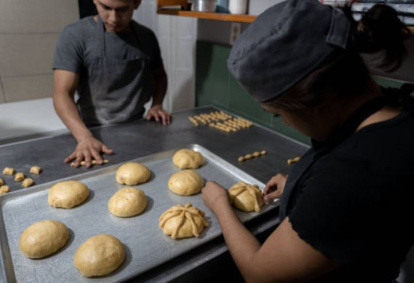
[101,36]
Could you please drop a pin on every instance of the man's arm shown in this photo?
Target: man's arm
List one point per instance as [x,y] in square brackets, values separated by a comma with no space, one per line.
[88,147]
[160,90]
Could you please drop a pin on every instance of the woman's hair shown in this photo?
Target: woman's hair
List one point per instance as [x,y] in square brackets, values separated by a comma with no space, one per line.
[344,72]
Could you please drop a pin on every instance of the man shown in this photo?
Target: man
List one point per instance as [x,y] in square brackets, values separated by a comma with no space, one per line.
[115,66]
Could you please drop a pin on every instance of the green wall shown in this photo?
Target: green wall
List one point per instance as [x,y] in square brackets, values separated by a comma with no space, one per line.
[215,86]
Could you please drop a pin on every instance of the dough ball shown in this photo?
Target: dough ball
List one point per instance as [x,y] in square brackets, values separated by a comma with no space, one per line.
[182,221]
[187,159]
[127,202]
[246,197]
[68,194]
[43,238]
[185,183]
[99,255]
[132,173]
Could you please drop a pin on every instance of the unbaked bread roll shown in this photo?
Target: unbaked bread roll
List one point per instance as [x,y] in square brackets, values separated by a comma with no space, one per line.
[4,189]
[246,197]
[132,173]
[127,202]
[185,183]
[182,221]
[99,255]
[187,159]
[68,194]
[43,238]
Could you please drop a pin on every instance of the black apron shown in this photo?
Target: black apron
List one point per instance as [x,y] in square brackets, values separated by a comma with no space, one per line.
[318,150]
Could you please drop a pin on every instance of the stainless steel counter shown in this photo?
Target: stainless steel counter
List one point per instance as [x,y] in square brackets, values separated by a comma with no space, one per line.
[142,138]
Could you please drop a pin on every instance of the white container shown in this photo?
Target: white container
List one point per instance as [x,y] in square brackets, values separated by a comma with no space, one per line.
[238,6]
[204,5]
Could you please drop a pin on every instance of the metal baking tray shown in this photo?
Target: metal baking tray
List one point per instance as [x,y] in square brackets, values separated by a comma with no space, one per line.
[146,245]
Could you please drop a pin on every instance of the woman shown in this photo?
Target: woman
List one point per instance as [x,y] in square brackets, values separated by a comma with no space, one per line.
[346,207]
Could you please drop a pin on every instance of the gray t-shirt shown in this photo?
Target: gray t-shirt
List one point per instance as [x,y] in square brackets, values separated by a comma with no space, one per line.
[115,69]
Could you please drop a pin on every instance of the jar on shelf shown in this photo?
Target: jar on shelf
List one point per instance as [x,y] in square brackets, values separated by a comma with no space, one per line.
[238,6]
[222,6]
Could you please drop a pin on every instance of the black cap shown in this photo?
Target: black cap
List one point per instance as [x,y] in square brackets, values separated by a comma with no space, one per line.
[284,44]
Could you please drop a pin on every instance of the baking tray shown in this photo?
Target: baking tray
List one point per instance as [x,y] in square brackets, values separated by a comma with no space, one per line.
[146,245]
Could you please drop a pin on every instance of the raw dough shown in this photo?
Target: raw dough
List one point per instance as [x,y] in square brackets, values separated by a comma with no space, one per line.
[68,194]
[185,183]
[43,238]
[132,173]
[246,197]
[8,171]
[99,255]
[19,177]
[127,202]
[4,189]
[35,170]
[182,221]
[187,159]
[27,182]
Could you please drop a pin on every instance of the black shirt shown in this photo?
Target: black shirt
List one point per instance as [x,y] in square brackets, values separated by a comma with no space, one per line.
[354,203]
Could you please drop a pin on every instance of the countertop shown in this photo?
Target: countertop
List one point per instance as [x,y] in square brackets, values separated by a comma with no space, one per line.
[141,138]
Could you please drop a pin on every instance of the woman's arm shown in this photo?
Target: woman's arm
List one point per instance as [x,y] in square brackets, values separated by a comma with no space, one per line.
[283,257]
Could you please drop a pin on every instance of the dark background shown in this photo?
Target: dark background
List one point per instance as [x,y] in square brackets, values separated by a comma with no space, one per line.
[86,8]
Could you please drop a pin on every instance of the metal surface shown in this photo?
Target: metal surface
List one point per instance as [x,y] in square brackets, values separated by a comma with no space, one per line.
[142,138]
[145,243]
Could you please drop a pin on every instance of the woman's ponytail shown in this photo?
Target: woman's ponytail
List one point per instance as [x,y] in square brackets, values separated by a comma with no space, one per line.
[380,30]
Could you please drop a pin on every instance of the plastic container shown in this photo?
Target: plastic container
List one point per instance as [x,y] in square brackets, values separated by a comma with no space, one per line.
[238,6]
[204,5]
[222,6]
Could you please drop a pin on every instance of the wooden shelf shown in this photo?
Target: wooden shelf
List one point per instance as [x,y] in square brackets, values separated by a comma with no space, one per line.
[209,16]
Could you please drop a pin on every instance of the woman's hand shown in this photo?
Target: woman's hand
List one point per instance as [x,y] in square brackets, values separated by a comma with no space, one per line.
[274,188]
[215,196]
[88,149]
[158,114]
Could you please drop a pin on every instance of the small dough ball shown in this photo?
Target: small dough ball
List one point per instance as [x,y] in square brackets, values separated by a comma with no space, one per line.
[19,176]
[246,197]
[185,183]
[8,171]
[127,202]
[132,173]
[182,221]
[43,238]
[68,194]
[4,189]
[99,255]
[35,170]
[1,182]
[27,182]
[187,159]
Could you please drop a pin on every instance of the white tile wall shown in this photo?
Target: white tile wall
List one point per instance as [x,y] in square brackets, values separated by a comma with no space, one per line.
[28,34]
[177,37]
[40,16]
[26,54]
[26,87]
[1,92]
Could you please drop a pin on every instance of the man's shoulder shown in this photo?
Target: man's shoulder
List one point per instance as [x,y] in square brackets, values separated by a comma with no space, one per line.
[84,25]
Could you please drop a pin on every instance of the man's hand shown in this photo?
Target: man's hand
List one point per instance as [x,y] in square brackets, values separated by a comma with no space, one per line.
[159,114]
[274,188]
[88,149]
